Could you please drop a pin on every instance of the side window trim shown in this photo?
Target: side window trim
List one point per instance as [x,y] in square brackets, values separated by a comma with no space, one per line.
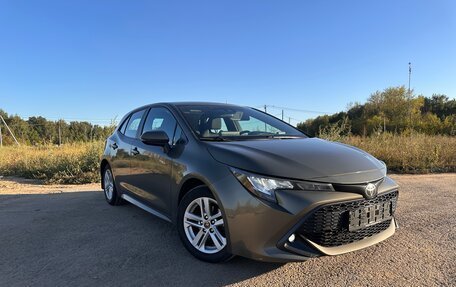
[182,135]
[143,121]
[145,118]
[124,124]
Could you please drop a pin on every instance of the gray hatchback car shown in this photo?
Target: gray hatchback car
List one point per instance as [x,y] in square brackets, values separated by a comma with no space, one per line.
[237,181]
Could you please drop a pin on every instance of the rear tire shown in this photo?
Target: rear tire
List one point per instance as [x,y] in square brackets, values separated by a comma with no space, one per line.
[109,188]
[201,226]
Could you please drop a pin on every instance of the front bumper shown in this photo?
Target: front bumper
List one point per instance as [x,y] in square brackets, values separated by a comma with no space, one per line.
[260,230]
[326,228]
[366,242]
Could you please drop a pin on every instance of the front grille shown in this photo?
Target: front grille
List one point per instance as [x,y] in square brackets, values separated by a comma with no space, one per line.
[329,225]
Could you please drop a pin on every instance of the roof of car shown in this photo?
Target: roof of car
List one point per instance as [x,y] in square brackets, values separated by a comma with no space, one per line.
[198,104]
[177,104]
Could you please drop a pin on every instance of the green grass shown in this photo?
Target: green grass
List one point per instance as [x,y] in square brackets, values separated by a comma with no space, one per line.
[79,163]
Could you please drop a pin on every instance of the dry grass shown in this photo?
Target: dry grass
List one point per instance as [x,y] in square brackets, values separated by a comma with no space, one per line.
[416,153]
[74,163]
[79,163]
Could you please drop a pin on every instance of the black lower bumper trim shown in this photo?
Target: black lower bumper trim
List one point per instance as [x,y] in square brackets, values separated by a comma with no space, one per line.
[300,247]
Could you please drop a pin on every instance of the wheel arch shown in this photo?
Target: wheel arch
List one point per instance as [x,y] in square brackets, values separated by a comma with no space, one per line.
[188,185]
[189,182]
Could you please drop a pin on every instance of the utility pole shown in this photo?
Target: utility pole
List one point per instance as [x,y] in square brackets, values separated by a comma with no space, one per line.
[409,94]
[410,75]
[282,115]
[60,134]
[9,130]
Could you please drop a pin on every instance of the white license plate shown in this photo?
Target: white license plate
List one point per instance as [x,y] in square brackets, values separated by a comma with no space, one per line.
[369,215]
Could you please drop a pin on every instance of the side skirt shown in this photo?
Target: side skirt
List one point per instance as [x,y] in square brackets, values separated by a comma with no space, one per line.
[144,207]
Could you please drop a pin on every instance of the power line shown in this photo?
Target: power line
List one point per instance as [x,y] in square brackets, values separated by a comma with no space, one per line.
[42,125]
[298,120]
[297,110]
[26,117]
[282,115]
[264,108]
[277,115]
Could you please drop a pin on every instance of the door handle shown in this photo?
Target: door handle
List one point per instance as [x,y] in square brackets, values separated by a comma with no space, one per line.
[114,146]
[135,151]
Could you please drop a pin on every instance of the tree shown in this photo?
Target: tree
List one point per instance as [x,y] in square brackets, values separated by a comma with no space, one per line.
[394,110]
[39,130]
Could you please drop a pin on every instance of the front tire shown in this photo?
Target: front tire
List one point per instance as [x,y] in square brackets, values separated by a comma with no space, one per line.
[109,188]
[201,226]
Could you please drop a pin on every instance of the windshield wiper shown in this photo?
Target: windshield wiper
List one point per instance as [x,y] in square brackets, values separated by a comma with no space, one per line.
[285,137]
[255,137]
[216,139]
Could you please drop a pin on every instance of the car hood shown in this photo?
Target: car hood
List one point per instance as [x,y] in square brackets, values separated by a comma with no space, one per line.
[304,159]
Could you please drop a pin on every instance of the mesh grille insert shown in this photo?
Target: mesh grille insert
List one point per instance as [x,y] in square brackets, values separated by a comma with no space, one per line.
[328,225]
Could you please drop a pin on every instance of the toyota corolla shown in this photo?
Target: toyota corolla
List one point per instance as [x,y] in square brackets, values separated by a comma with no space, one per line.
[237,181]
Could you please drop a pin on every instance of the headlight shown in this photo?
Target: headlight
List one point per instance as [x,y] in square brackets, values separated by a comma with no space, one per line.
[265,187]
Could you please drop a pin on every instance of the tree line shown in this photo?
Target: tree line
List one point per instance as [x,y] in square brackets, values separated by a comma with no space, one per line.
[40,131]
[394,110]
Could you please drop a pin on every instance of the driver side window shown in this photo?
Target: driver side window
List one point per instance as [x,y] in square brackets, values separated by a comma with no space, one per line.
[160,119]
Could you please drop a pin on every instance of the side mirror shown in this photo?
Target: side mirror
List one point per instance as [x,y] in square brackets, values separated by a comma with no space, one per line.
[157,137]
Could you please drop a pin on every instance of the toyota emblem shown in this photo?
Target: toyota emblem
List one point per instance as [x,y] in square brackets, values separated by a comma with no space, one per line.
[371,190]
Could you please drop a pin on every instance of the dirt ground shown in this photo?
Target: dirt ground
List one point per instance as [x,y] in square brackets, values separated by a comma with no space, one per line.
[68,235]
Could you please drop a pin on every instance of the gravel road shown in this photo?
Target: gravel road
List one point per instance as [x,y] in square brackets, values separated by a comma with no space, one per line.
[67,236]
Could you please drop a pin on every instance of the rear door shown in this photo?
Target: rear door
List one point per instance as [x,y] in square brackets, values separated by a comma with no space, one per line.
[120,153]
[121,163]
[150,165]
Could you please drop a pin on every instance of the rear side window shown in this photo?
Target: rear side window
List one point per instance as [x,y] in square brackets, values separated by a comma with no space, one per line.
[133,124]
[160,119]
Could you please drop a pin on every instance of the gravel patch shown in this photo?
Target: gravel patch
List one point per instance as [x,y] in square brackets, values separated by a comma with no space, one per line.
[68,235]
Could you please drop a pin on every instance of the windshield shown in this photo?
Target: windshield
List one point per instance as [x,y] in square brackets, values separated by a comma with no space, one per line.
[223,122]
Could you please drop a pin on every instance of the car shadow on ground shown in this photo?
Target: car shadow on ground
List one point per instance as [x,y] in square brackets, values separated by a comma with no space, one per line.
[77,238]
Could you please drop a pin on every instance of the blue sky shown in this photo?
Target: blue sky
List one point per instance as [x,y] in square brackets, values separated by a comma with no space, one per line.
[99,59]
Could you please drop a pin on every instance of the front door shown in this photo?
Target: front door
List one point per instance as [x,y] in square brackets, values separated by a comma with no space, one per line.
[151,166]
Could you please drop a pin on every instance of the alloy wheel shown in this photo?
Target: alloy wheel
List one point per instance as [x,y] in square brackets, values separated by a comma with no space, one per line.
[108,184]
[204,226]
